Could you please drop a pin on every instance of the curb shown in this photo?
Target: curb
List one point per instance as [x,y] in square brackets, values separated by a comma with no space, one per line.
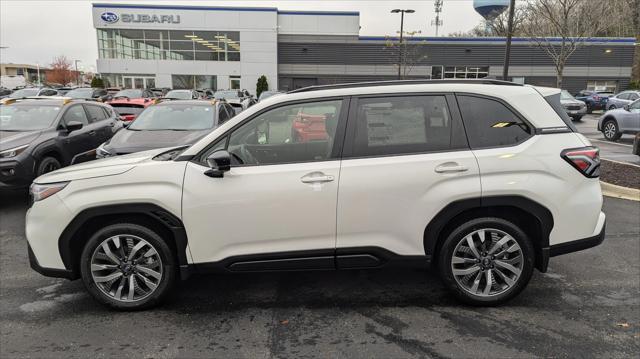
[612,190]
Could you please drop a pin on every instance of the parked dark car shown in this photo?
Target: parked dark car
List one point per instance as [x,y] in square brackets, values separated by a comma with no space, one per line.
[595,100]
[89,93]
[42,135]
[33,91]
[62,91]
[168,124]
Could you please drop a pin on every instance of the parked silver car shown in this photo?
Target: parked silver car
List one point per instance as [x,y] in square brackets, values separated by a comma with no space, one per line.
[574,108]
[622,99]
[616,122]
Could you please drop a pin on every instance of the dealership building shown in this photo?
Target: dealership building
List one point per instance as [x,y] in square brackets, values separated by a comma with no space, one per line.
[231,47]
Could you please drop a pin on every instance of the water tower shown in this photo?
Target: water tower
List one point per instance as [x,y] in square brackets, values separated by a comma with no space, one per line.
[490,9]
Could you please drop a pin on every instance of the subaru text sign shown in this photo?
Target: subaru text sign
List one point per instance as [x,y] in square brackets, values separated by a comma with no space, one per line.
[109,17]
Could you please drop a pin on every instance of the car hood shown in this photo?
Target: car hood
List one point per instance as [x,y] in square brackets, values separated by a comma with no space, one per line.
[10,139]
[99,168]
[128,141]
[617,111]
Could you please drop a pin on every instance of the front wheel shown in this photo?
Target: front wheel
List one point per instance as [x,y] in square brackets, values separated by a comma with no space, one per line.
[486,261]
[46,165]
[127,266]
[610,130]
[589,108]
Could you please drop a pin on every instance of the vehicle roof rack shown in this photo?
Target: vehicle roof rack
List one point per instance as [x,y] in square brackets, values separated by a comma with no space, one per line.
[404,82]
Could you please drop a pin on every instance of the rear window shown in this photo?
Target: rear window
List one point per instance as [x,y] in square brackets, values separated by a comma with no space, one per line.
[554,102]
[489,123]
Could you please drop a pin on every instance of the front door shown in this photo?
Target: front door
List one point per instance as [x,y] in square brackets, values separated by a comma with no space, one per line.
[77,144]
[279,198]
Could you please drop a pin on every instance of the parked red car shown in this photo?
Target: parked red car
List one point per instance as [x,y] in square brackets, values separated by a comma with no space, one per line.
[307,128]
[130,102]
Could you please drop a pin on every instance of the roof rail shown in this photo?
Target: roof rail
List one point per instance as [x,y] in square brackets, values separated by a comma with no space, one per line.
[404,82]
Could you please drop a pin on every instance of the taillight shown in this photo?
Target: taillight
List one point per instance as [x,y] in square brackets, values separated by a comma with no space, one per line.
[596,98]
[585,159]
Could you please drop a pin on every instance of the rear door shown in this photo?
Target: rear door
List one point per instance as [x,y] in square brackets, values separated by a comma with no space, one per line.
[405,159]
[101,124]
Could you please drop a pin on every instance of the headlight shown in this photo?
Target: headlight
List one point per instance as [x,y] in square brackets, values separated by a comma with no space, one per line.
[101,152]
[41,191]
[12,152]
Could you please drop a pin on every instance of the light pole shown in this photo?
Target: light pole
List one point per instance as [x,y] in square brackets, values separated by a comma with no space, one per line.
[401,11]
[77,74]
[507,51]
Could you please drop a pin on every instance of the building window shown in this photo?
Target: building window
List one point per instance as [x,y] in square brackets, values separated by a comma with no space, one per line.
[194,82]
[234,82]
[603,86]
[465,72]
[168,45]
[436,72]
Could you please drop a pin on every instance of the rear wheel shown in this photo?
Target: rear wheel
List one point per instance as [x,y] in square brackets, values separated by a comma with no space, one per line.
[486,261]
[127,266]
[577,118]
[610,130]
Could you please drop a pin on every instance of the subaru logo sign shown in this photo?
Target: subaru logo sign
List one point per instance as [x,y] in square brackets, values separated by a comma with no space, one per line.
[109,17]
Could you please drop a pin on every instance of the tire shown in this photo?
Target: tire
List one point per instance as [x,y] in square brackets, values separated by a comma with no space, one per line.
[469,284]
[46,165]
[589,108]
[577,118]
[610,130]
[159,267]
[612,107]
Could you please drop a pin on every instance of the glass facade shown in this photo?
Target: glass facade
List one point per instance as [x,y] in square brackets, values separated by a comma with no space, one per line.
[465,72]
[194,82]
[168,45]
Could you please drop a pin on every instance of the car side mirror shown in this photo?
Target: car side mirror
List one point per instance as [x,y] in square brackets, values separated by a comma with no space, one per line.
[220,162]
[73,126]
[626,108]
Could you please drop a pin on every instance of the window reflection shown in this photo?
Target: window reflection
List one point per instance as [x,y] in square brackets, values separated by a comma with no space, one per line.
[168,45]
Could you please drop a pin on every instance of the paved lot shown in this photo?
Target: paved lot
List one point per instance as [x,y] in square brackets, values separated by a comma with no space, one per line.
[587,305]
[617,151]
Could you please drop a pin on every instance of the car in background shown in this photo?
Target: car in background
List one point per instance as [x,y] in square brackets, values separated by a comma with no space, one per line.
[574,108]
[4,92]
[183,95]
[33,91]
[622,99]
[42,135]
[168,124]
[595,100]
[63,90]
[89,93]
[113,90]
[614,123]
[267,94]
[236,98]
[636,145]
[206,94]
[130,102]
[160,92]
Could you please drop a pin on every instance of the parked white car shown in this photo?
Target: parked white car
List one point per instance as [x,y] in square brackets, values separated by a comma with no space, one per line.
[486,180]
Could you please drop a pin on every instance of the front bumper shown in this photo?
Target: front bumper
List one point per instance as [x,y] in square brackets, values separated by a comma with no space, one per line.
[16,173]
[48,272]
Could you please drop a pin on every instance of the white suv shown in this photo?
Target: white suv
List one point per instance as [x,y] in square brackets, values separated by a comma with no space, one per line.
[485,180]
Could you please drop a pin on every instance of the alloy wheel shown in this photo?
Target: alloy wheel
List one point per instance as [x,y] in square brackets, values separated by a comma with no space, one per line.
[126,268]
[487,262]
[610,130]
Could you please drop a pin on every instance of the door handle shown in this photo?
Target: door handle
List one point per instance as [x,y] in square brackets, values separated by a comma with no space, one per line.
[316,177]
[450,167]
[92,133]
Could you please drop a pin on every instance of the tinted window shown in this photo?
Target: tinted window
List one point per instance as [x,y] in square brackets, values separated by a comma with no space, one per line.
[293,133]
[107,112]
[489,123]
[623,96]
[48,92]
[223,116]
[633,96]
[399,125]
[75,114]
[95,113]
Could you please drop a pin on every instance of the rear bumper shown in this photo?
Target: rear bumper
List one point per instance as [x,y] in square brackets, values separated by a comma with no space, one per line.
[48,272]
[577,245]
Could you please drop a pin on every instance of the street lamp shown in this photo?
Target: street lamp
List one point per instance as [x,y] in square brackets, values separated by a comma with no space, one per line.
[77,74]
[401,11]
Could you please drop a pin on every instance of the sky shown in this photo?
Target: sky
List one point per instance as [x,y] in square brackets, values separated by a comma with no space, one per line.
[36,31]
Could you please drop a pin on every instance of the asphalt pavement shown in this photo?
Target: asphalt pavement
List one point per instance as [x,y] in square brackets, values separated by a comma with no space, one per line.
[617,151]
[586,306]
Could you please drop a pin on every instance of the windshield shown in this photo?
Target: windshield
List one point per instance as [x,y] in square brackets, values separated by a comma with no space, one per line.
[175,117]
[130,93]
[226,94]
[27,117]
[565,95]
[80,93]
[24,93]
[179,94]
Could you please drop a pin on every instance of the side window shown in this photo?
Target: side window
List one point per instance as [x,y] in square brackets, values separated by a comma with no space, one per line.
[635,106]
[223,116]
[287,134]
[489,123]
[95,113]
[402,125]
[107,112]
[624,96]
[75,114]
[633,96]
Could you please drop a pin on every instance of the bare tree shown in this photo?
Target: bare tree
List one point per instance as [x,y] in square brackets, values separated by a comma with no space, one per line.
[60,71]
[409,52]
[560,27]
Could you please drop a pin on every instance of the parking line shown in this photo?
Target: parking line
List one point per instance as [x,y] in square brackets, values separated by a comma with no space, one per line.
[611,143]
